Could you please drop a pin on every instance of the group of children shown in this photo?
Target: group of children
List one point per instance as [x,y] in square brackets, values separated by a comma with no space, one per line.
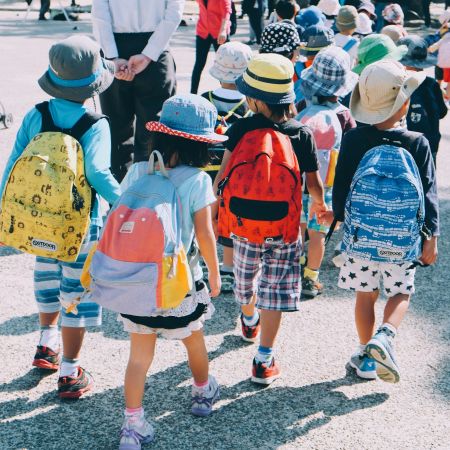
[287,160]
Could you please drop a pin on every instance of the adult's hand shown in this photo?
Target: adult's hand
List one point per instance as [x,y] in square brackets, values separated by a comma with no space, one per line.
[122,71]
[138,63]
[222,38]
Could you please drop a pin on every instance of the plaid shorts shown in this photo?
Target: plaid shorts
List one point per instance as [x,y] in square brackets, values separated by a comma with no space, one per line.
[271,271]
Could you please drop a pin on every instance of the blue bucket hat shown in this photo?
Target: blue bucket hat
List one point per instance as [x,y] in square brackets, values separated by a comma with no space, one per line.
[315,38]
[188,116]
[310,16]
[417,56]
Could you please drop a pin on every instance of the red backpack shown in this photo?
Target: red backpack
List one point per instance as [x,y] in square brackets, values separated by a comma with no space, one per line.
[261,191]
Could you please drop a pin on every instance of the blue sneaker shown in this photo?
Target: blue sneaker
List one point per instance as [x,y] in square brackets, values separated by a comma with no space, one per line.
[364,366]
[204,399]
[380,349]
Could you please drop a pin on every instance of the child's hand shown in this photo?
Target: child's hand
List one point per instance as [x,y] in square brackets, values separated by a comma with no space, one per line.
[317,209]
[215,284]
[325,218]
[430,251]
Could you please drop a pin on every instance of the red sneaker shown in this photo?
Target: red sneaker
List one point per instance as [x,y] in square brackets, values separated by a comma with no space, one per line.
[46,358]
[75,387]
[249,333]
[264,374]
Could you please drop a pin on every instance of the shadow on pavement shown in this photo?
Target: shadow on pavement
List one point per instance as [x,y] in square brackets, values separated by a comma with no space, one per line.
[247,417]
[33,29]
[19,325]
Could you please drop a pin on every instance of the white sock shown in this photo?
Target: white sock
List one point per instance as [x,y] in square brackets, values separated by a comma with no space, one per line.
[69,367]
[50,337]
[227,269]
[391,328]
[361,348]
[253,321]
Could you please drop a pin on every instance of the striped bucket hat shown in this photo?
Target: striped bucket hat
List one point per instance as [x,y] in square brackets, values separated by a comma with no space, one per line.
[268,78]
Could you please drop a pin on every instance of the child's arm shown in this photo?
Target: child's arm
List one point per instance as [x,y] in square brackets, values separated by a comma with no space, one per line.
[434,47]
[207,245]
[96,144]
[315,189]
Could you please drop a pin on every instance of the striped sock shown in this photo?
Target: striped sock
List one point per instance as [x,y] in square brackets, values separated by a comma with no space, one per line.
[264,355]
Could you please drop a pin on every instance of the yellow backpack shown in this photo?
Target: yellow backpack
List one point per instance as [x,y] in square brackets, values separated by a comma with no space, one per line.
[47,200]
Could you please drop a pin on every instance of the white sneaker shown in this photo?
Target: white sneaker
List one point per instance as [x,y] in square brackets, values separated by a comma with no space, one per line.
[204,399]
[135,431]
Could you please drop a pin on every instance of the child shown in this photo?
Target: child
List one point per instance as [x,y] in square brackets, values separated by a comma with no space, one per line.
[282,39]
[231,61]
[328,78]
[330,9]
[308,17]
[284,10]
[347,22]
[427,102]
[315,38]
[381,100]
[268,275]
[443,47]
[393,15]
[364,27]
[182,135]
[394,32]
[76,73]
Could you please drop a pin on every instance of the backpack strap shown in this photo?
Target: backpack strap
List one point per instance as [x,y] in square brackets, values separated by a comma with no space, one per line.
[349,45]
[86,121]
[331,231]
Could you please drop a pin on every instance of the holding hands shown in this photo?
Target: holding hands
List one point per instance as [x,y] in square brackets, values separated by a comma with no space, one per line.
[127,70]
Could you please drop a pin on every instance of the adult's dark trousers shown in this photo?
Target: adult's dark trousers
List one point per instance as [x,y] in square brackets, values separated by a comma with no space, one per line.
[131,104]
[255,16]
[202,47]
[45,7]
[426,12]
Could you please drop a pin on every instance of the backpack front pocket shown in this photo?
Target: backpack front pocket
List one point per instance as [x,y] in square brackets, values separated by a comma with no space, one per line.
[124,287]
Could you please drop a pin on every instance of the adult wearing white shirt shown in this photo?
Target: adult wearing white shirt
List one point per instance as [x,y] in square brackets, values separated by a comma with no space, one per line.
[135,34]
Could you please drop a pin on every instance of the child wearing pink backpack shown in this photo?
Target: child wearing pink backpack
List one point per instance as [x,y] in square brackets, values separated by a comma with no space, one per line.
[182,135]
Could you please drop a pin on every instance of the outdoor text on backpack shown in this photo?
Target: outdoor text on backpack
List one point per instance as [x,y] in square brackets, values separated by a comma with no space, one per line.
[261,190]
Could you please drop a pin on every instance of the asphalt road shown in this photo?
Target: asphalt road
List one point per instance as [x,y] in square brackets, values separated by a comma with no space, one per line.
[317,404]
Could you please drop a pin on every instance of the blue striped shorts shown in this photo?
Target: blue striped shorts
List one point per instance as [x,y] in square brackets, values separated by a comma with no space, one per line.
[55,279]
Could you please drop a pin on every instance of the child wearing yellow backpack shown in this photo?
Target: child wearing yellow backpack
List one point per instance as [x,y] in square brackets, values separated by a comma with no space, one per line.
[76,72]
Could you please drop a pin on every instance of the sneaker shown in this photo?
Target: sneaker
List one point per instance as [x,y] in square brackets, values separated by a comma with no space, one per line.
[380,349]
[227,282]
[250,333]
[135,432]
[311,288]
[364,366]
[264,374]
[204,399]
[75,387]
[46,358]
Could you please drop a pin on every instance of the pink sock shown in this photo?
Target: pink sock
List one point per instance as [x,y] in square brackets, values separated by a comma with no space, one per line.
[134,411]
[201,385]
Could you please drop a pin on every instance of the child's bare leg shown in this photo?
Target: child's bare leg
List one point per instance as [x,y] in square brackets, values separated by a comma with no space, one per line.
[197,356]
[228,256]
[270,324]
[316,249]
[365,315]
[249,310]
[48,319]
[72,339]
[142,350]
[395,309]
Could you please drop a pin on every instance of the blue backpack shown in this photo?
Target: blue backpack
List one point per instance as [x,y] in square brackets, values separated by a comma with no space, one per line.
[385,208]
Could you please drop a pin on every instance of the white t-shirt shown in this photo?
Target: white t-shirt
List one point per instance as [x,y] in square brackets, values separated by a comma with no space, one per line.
[341,40]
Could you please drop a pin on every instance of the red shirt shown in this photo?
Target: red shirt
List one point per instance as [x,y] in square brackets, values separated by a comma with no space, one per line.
[211,16]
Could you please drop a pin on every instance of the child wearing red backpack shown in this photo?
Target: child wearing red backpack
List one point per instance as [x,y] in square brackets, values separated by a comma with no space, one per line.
[260,203]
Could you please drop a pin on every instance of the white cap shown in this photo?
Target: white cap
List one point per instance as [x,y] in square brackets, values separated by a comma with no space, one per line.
[364,25]
[329,7]
[383,88]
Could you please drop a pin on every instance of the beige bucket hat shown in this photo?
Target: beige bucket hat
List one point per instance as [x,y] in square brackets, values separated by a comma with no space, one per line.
[383,88]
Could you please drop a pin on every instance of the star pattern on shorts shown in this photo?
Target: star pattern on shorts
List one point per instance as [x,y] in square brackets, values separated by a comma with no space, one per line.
[388,290]
[352,275]
[364,268]
[388,275]
[398,283]
[351,260]
[374,272]
[343,279]
[364,284]
[409,288]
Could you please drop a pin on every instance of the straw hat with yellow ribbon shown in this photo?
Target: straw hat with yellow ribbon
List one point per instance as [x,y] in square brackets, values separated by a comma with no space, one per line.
[268,78]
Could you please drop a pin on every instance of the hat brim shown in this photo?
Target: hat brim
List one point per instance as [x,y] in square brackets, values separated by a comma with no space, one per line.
[225,76]
[397,54]
[211,138]
[267,97]
[430,61]
[363,115]
[305,51]
[78,94]
[311,86]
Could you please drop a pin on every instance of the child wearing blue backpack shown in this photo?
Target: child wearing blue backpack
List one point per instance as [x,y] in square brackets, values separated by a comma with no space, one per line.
[182,135]
[385,193]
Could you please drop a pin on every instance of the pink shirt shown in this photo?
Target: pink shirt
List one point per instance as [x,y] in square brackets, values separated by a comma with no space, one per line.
[211,17]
